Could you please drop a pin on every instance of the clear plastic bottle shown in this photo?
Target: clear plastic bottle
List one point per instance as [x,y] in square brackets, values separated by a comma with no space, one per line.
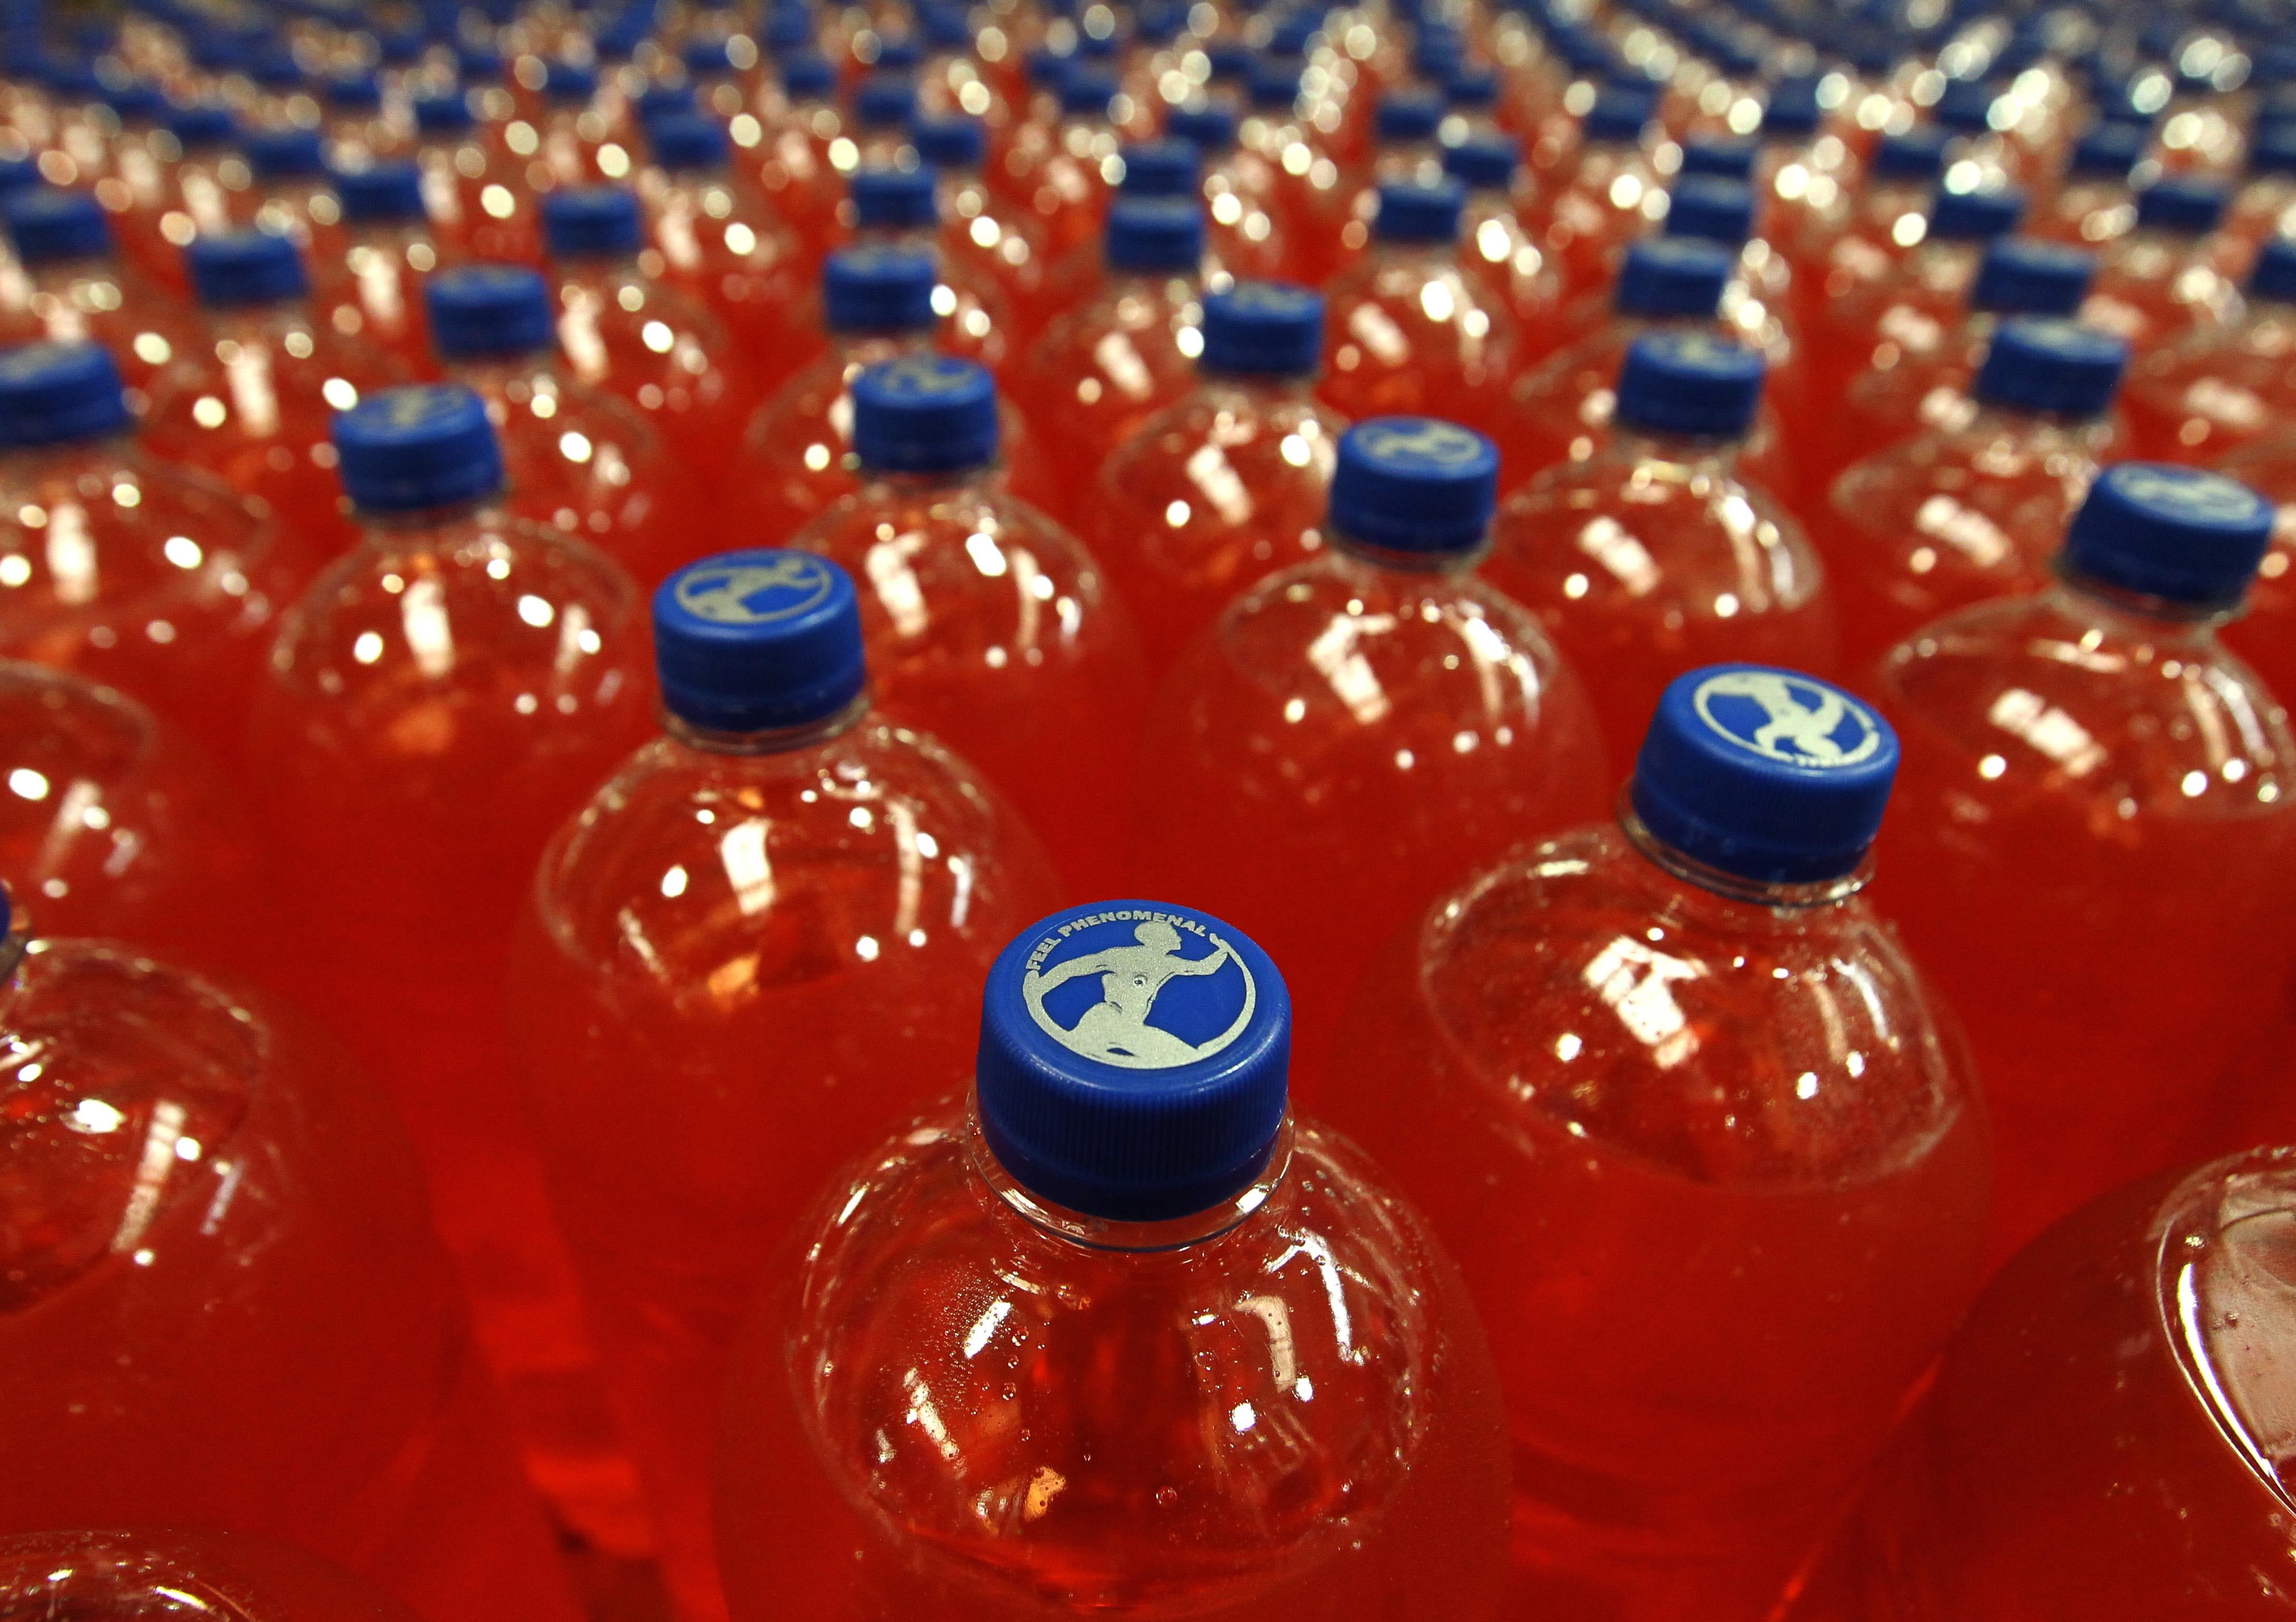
[978,226]
[2173,274]
[720,246]
[1332,227]
[1496,252]
[1657,555]
[1609,193]
[794,155]
[293,195]
[253,406]
[477,197]
[899,210]
[1357,733]
[2218,390]
[1065,181]
[1244,244]
[1409,331]
[187,192]
[1172,1350]
[124,569]
[1672,1092]
[988,625]
[436,702]
[575,459]
[1229,483]
[223,1242]
[1102,369]
[76,287]
[1243,226]
[103,1575]
[2105,1437]
[375,288]
[1888,217]
[631,334]
[2093,204]
[769,926]
[2094,813]
[1976,508]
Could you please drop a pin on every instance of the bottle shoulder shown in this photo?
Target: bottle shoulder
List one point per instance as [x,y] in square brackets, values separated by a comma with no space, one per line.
[1927,489]
[1591,991]
[1250,435]
[1240,1406]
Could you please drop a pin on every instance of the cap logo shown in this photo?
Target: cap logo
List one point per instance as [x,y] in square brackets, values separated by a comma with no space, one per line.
[1788,718]
[26,362]
[929,376]
[1267,297]
[2189,494]
[1696,348]
[877,258]
[1421,440]
[755,592]
[1139,989]
[491,278]
[420,403]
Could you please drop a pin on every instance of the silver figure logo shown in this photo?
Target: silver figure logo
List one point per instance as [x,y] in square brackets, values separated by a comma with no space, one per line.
[2188,493]
[1419,438]
[1803,718]
[754,593]
[927,375]
[1115,1030]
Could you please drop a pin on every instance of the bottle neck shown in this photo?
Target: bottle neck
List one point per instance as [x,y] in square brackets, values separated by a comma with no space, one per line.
[1370,554]
[867,344]
[1103,1234]
[1262,387]
[2138,616]
[910,484]
[419,528]
[1769,895]
[1638,444]
[767,740]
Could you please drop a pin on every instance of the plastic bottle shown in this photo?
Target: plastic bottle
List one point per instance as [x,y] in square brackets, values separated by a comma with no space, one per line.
[1408,333]
[252,406]
[2260,208]
[720,247]
[222,1242]
[2094,204]
[1976,508]
[1243,245]
[1608,194]
[771,922]
[1886,219]
[124,569]
[1102,369]
[1656,555]
[630,334]
[1332,227]
[2265,632]
[1496,252]
[899,210]
[2103,1439]
[1357,732]
[475,195]
[2171,275]
[1758,305]
[437,701]
[801,127]
[2218,390]
[1065,182]
[2110,831]
[575,459]
[77,287]
[1200,1358]
[978,226]
[151,1574]
[1671,1091]
[1242,223]
[1229,483]
[989,627]
[185,192]
[375,288]
[293,194]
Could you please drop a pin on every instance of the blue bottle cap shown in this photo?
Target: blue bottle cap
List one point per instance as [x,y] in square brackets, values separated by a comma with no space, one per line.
[49,227]
[569,82]
[399,47]
[885,101]
[214,54]
[17,175]
[1415,484]
[489,310]
[1721,159]
[388,193]
[2022,275]
[447,113]
[749,642]
[955,143]
[288,153]
[138,101]
[1151,234]
[590,221]
[2108,151]
[1048,70]
[1231,61]
[1917,155]
[2181,205]
[203,126]
[2275,275]
[1975,217]
[1413,212]
[1469,89]
[1618,115]
[1263,329]
[807,76]
[708,57]
[1406,115]
[688,141]
[353,93]
[1966,107]
[2057,367]
[875,287]
[889,198]
[234,269]
[945,28]
[901,53]
[426,446]
[478,64]
[1712,209]
[786,28]
[1483,163]
[1673,276]
[1086,92]
[1271,86]
[1791,112]
[1689,382]
[659,100]
[1161,168]
[2172,533]
[924,413]
[1133,1060]
[1768,775]
[50,393]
